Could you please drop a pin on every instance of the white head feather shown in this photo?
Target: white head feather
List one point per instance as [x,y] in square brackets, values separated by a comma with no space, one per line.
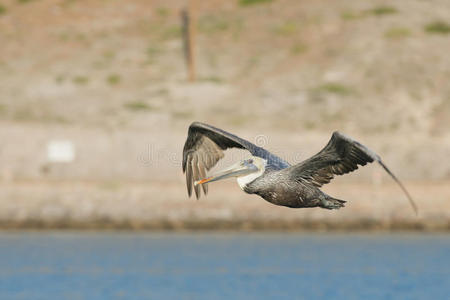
[260,163]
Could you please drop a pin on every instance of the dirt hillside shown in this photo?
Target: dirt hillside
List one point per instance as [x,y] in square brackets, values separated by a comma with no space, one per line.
[109,78]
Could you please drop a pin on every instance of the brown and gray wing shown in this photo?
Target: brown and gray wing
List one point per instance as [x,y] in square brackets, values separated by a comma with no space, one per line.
[341,155]
[204,147]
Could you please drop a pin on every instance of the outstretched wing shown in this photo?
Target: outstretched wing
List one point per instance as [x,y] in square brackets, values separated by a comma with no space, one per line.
[204,148]
[341,155]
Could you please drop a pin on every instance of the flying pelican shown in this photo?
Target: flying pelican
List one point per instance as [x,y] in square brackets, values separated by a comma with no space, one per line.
[271,177]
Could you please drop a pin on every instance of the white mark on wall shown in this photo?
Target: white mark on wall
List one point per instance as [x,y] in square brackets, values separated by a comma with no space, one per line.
[60,151]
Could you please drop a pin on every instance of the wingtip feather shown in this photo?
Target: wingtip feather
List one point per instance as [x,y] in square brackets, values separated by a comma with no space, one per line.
[410,199]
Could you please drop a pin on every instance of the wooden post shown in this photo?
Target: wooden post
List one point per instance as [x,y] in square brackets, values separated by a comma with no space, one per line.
[189,30]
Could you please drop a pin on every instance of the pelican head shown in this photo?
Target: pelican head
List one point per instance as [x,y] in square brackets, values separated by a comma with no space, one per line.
[245,171]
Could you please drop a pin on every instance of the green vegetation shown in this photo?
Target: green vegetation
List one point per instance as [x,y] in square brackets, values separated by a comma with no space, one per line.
[397,32]
[2,109]
[68,2]
[81,80]
[334,88]
[253,2]
[64,36]
[109,54]
[152,51]
[308,124]
[350,15]
[438,27]
[238,26]
[182,114]
[382,10]
[23,114]
[71,36]
[161,92]
[299,48]
[60,79]
[159,30]
[137,106]
[113,79]
[2,9]
[212,24]
[24,1]
[288,28]
[239,120]
[162,12]
[28,113]
[214,79]
[80,37]
[376,11]
[171,32]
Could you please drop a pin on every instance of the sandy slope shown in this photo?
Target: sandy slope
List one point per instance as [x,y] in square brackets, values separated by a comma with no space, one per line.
[110,77]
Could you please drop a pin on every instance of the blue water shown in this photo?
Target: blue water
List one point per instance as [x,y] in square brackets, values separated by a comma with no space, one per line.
[62,265]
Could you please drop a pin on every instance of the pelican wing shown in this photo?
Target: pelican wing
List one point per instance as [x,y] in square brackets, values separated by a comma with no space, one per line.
[204,148]
[341,155]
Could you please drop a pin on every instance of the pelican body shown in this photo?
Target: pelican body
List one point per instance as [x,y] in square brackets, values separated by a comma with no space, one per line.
[269,176]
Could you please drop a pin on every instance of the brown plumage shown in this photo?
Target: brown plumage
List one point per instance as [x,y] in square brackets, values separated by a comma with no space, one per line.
[269,176]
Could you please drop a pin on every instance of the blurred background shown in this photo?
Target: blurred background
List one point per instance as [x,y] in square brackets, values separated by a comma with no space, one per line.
[96,97]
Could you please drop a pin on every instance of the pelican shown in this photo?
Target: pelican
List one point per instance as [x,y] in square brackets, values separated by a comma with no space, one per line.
[269,176]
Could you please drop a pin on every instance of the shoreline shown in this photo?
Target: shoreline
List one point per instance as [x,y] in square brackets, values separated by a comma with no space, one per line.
[138,206]
[224,226]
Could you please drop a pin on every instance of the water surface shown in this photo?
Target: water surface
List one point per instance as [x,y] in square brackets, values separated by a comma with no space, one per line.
[80,265]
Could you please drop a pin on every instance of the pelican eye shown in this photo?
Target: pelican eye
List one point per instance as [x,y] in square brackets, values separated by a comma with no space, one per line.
[250,161]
